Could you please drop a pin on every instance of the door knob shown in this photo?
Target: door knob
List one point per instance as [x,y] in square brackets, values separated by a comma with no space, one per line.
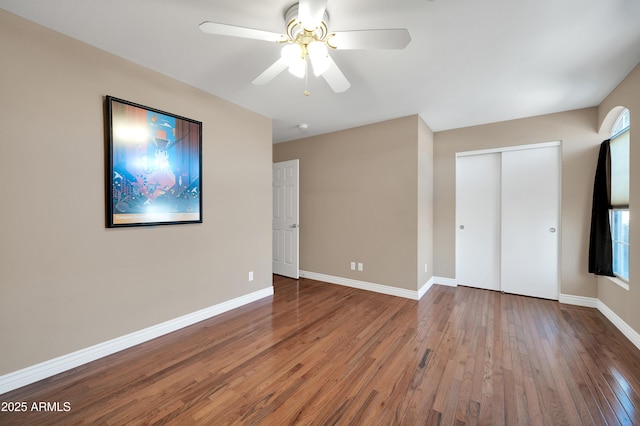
[461,226]
[552,230]
[293,226]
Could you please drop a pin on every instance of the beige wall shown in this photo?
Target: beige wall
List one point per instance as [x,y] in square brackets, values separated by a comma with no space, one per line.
[425,202]
[623,302]
[359,201]
[67,282]
[580,143]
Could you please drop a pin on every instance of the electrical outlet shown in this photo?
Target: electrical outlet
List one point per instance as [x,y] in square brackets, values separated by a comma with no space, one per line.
[425,267]
[360,267]
[353,266]
[250,275]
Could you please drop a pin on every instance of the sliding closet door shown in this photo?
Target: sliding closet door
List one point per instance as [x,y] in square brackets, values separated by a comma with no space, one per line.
[530,221]
[478,221]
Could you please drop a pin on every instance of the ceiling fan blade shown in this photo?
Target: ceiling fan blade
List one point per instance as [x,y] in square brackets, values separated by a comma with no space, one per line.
[242,32]
[311,12]
[371,39]
[334,77]
[271,72]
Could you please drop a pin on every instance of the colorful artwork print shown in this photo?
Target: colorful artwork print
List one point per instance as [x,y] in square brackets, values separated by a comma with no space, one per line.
[155,166]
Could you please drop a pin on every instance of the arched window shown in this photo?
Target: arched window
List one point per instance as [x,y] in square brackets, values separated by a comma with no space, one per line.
[619,213]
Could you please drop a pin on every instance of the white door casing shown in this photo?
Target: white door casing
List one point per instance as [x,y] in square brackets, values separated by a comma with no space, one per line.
[285,222]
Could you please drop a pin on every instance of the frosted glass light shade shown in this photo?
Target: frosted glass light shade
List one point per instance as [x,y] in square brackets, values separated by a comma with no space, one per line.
[319,56]
[292,54]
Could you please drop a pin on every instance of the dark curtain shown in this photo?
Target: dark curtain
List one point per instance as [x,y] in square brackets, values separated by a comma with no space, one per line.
[600,247]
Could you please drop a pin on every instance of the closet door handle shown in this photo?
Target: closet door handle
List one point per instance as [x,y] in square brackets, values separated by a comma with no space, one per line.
[552,230]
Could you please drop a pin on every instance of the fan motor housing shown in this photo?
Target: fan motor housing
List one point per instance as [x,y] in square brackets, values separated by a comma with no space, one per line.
[296,30]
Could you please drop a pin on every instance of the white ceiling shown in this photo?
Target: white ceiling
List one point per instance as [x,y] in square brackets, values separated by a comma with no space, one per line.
[469,62]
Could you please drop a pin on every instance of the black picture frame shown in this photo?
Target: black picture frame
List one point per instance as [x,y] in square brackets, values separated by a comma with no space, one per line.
[154,166]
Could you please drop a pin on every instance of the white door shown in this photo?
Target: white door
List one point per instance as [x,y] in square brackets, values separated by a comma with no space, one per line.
[478,221]
[530,221]
[285,218]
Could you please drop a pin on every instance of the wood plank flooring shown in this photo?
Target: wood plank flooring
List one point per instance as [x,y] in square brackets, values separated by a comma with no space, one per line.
[322,354]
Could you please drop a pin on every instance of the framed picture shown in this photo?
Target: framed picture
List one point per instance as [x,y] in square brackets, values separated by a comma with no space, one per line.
[154,166]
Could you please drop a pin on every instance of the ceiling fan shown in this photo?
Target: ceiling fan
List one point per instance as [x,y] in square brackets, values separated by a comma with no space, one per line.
[308,40]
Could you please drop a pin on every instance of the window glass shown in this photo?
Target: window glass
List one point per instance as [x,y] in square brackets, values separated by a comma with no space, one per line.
[619,214]
[623,122]
[620,240]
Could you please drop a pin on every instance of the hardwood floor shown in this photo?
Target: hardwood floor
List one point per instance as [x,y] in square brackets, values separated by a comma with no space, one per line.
[317,353]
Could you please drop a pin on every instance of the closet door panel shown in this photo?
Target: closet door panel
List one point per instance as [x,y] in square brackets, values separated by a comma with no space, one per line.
[530,222]
[478,221]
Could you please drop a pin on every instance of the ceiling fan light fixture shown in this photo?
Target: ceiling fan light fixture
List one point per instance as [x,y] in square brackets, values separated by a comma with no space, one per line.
[291,52]
[294,56]
[319,56]
[307,35]
[296,28]
[298,68]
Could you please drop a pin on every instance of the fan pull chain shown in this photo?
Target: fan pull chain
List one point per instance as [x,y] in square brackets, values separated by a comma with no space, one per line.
[306,77]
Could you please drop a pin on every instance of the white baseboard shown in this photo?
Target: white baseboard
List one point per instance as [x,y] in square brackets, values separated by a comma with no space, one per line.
[449,282]
[592,302]
[625,328]
[569,299]
[32,374]
[362,285]
[423,290]
[379,288]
